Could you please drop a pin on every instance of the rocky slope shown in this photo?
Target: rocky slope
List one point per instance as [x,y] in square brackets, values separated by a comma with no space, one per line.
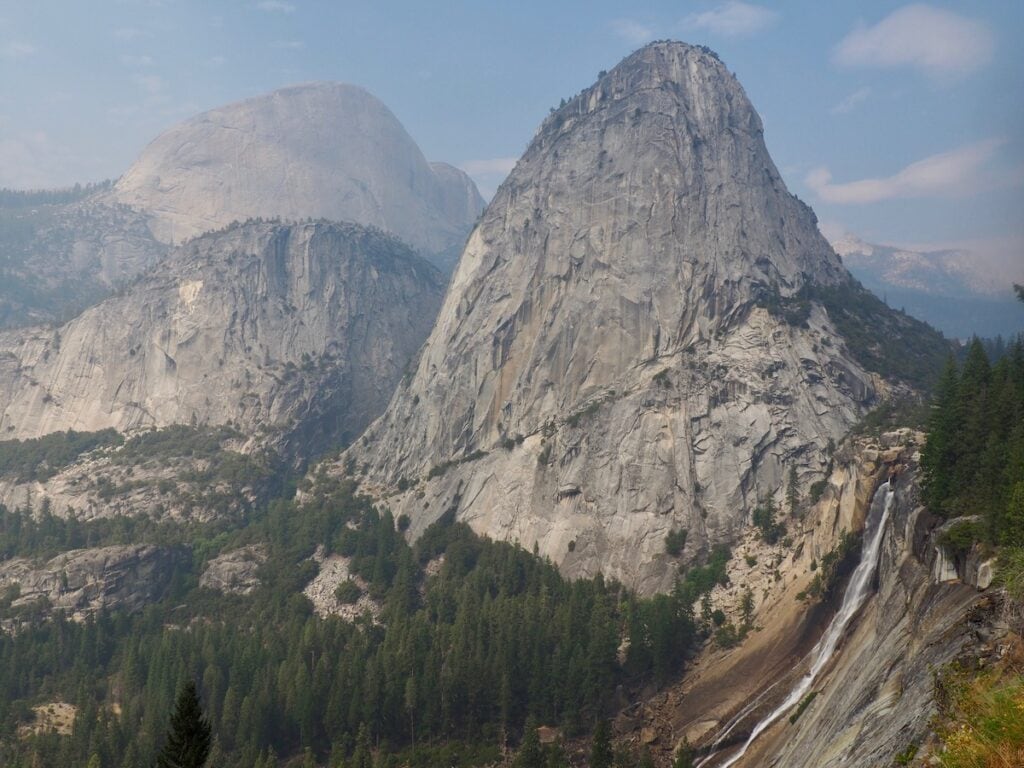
[876,697]
[321,150]
[56,260]
[300,329]
[84,581]
[616,356]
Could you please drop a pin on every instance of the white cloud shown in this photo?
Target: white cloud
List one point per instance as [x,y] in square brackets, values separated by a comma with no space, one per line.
[288,45]
[16,49]
[937,42]
[275,6]
[732,19]
[217,61]
[851,102]
[948,174]
[632,31]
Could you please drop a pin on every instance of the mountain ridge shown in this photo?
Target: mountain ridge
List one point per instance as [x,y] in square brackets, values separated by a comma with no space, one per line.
[607,367]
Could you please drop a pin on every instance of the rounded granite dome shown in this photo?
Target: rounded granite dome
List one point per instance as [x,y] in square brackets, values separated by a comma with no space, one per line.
[327,150]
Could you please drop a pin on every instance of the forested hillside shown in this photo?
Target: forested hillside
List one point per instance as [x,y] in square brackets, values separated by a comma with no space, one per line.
[471,638]
[974,459]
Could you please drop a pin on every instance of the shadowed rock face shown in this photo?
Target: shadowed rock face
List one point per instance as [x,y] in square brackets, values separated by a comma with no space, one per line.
[325,150]
[296,329]
[603,339]
[83,581]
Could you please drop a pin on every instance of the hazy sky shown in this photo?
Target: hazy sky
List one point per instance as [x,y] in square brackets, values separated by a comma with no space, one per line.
[901,122]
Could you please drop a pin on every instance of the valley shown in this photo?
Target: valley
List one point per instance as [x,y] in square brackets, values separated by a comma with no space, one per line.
[621,468]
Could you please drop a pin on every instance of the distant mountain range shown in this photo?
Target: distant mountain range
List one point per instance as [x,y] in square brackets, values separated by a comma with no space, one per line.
[949,289]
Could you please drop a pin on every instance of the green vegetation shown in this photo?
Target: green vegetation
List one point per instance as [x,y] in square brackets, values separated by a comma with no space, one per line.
[880,338]
[495,637]
[188,738]
[980,720]
[348,592]
[771,530]
[675,542]
[802,706]
[28,198]
[834,566]
[906,756]
[973,462]
[43,457]
[818,488]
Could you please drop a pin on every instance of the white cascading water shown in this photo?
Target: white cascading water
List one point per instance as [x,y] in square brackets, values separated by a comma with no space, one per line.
[857,592]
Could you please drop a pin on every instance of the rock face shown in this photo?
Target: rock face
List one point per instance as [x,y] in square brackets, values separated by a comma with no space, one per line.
[234,572]
[82,581]
[610,363]
[876,696]
[880,694]
[300,329]
[325,150]
[59,259]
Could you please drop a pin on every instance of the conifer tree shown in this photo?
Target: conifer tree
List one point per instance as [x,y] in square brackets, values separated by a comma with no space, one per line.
[188,739]
[601,753]
[530,754]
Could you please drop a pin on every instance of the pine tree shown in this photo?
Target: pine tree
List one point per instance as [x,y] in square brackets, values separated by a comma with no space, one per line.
[530,754]
[792,491]
[363,756]
[601,753]
[188,740]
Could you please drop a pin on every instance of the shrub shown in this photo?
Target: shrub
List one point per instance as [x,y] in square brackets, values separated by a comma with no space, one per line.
[818,490]
[802,706]
[348,592]
[675,542]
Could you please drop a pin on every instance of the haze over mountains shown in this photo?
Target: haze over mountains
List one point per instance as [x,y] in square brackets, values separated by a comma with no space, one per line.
[322,150]
[258,441]
[952,290]
[271,327]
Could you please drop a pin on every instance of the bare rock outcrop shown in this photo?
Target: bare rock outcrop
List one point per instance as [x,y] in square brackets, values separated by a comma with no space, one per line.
[630,344]
[299,329]
[234,572]
[320,150]
[82,581]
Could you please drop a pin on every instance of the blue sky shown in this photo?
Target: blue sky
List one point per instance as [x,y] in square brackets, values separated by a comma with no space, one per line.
[901,122]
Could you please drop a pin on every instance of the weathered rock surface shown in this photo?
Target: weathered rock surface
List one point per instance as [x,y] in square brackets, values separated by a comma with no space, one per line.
[877,695]
[321,150]
[334,569]
[303,329]
[60,259]
[234,572]
[604,369]
[83,581]
[103,484]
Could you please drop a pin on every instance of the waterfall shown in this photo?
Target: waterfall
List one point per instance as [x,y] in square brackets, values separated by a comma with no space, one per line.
[857,592]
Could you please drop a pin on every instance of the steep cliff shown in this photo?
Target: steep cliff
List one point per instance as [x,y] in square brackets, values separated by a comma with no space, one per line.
[83,581]
[632,342]
[327,150]
[301,330]
[875,697]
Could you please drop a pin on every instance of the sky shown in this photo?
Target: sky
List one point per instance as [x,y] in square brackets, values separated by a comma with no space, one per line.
[901,122]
